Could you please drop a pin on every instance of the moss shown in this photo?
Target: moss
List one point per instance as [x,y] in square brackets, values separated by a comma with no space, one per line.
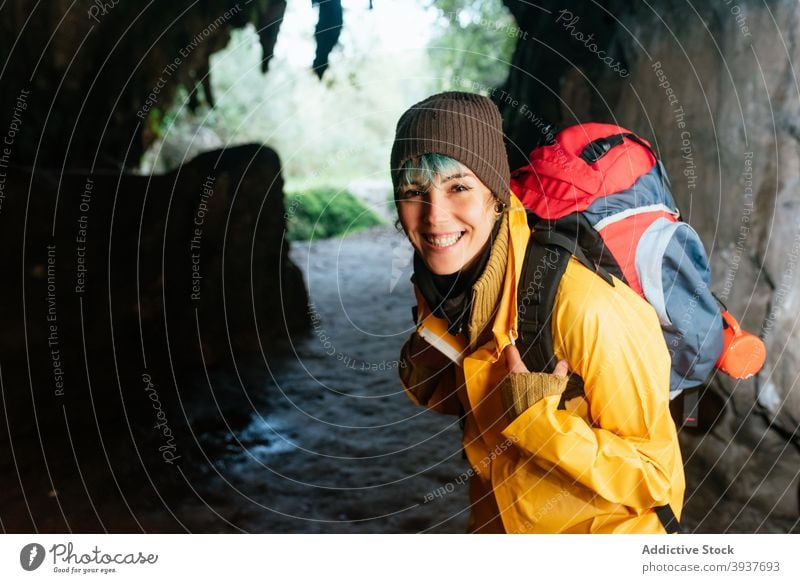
[321,213]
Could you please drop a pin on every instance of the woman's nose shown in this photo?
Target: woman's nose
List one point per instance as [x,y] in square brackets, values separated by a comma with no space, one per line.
[436,208]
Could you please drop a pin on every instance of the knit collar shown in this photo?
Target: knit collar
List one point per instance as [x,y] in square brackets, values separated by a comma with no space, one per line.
[489,286]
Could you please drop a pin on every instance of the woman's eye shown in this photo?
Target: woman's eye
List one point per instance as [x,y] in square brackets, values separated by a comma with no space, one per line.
[460,187]
[407,194]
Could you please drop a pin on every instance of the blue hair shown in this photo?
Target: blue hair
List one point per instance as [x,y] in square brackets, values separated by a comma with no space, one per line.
[420,171]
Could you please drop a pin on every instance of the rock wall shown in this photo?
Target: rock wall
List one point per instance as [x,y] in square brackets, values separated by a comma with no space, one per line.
[714,86]
[166,264]
[131,290]
[91,73]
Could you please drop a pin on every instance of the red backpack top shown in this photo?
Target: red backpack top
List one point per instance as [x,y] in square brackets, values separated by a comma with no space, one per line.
[558,181]
[591,161]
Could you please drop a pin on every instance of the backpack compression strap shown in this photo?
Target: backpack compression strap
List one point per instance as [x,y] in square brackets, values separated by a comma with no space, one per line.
[598,148]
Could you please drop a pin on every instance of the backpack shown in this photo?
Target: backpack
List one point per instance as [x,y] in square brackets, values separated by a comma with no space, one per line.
[599,193]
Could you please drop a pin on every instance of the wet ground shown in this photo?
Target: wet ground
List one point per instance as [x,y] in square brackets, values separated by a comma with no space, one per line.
[318,437]
[338,447]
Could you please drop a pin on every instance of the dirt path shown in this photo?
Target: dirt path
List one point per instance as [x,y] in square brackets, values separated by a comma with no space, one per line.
[342,449]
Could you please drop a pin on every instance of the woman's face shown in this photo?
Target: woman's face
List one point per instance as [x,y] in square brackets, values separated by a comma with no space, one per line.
[449,221]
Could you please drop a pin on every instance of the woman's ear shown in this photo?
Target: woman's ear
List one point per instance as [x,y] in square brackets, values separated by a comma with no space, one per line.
[499,207]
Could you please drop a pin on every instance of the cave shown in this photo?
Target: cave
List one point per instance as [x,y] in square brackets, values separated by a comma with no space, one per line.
[171,362]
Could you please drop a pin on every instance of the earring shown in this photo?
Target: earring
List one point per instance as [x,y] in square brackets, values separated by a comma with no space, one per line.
[498,207]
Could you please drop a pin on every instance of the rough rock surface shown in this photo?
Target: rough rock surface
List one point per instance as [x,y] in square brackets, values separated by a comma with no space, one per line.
[92,72]
[714,86]
[127,285]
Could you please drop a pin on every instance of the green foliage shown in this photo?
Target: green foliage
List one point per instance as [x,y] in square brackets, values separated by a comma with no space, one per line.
[320,213]
[338,131]
[474,44]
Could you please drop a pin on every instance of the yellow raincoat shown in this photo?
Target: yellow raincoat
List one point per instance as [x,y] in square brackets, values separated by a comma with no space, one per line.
[600,466]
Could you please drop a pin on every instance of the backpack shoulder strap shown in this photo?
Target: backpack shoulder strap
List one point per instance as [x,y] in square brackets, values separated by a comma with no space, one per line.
[542,269]
[546,259]
[668,519]
[544,265]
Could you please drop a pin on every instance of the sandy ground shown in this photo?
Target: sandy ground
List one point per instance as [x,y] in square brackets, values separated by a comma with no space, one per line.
[340,448]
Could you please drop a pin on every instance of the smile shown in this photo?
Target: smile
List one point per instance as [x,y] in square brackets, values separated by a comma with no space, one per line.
[444,241]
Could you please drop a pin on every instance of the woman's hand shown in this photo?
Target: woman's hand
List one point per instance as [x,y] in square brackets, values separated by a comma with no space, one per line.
[515,364]
[521,389]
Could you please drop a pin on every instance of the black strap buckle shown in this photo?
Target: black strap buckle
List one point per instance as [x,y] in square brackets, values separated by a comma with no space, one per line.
[598,148]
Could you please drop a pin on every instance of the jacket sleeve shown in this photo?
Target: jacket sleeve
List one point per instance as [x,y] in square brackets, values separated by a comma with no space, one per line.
[627,450]
[435,389]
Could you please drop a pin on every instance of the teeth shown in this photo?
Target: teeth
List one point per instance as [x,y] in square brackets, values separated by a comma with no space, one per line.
[444,241]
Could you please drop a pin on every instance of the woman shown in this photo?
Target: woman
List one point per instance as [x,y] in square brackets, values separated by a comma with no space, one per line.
[608,462]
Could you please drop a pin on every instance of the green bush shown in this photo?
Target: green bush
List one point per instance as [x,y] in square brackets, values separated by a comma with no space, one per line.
[320,213]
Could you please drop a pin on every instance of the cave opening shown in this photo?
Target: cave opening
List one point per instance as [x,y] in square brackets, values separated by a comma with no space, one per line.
[206,296]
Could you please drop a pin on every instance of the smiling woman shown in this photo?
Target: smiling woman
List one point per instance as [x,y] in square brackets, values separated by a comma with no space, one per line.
[446,212]
[449,195]
[542,460]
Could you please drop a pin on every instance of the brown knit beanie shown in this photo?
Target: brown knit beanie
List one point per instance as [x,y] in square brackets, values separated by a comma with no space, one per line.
[464,126]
